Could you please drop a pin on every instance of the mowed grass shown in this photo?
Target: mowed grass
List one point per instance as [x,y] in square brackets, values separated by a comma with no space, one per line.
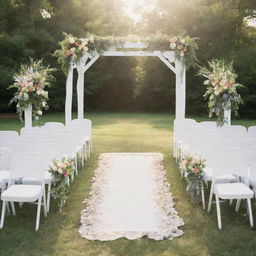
[126,132]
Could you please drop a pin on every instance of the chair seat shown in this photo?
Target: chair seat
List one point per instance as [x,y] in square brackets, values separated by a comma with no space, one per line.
[48,178]
[207,174]
[233,191]
[22,193]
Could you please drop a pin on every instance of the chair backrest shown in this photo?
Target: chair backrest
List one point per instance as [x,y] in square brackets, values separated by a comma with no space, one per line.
[18,146]
[64,140]
[85,125]
[5,136]
[234,161]
[54,124]
[27,164]
[247,142]
[208,124]
[29,130]
[5,159]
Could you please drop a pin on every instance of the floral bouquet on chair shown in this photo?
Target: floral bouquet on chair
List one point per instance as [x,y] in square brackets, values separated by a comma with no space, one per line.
[192,170]
[63,172]
[221,88]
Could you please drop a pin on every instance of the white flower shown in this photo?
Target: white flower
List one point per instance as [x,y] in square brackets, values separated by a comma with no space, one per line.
[216,93]
[60,171]
[71,40]
[39,92]
[43,103]
[181,54]
[25,96]
[45,94]
[172,45]
[206,82]
[84,42]
[39,112]
[36,118]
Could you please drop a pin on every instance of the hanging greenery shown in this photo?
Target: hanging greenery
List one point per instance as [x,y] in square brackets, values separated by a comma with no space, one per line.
[221,88]
[73,48]
[30,83]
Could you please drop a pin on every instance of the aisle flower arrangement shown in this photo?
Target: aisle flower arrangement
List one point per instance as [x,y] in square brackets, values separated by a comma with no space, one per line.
[30,83]
[192,170]
[63,171]
[221,88]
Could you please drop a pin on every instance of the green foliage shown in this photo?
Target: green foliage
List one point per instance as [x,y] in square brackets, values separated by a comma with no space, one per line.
[220,25]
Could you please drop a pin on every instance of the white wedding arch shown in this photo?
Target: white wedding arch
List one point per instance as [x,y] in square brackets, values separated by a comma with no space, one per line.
[176,64]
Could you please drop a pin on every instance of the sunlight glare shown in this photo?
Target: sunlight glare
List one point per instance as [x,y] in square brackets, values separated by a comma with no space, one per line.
[131,7]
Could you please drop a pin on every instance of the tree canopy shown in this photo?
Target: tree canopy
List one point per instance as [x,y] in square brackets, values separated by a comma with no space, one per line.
[31,28]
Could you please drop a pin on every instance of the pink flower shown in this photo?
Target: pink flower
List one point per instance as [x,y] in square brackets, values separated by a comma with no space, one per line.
[174,39]
[195,170]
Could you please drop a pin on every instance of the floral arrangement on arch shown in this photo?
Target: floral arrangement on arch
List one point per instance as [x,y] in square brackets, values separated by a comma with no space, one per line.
[30,82]
[73,48]
[192,167]
[185,46]
[221,88]
[63,171]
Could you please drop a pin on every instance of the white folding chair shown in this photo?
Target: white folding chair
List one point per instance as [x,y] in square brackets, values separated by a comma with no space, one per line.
[235,162]
[28,164]
[85,126]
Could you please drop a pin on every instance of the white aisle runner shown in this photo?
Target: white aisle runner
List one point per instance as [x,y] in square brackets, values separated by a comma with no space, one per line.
[130,198]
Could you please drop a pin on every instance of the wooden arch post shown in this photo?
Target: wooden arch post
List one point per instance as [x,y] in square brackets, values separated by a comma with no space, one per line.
[168,58]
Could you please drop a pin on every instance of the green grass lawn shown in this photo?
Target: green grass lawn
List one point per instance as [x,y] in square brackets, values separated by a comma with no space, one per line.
[126,132]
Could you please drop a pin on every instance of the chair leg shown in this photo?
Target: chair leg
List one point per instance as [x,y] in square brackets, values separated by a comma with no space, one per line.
[45,204]
[13,208]
[82,158]
[91,145]
[49,196]
[3,214]
[8,208]
[89,149]
[218,211]
[250,211]
[238,203]
[210,199]
[85,151]
[230,201]
[76,165]
[39,204]
[203,197]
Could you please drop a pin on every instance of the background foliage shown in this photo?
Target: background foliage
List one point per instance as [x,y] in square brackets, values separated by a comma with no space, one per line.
[30,28]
